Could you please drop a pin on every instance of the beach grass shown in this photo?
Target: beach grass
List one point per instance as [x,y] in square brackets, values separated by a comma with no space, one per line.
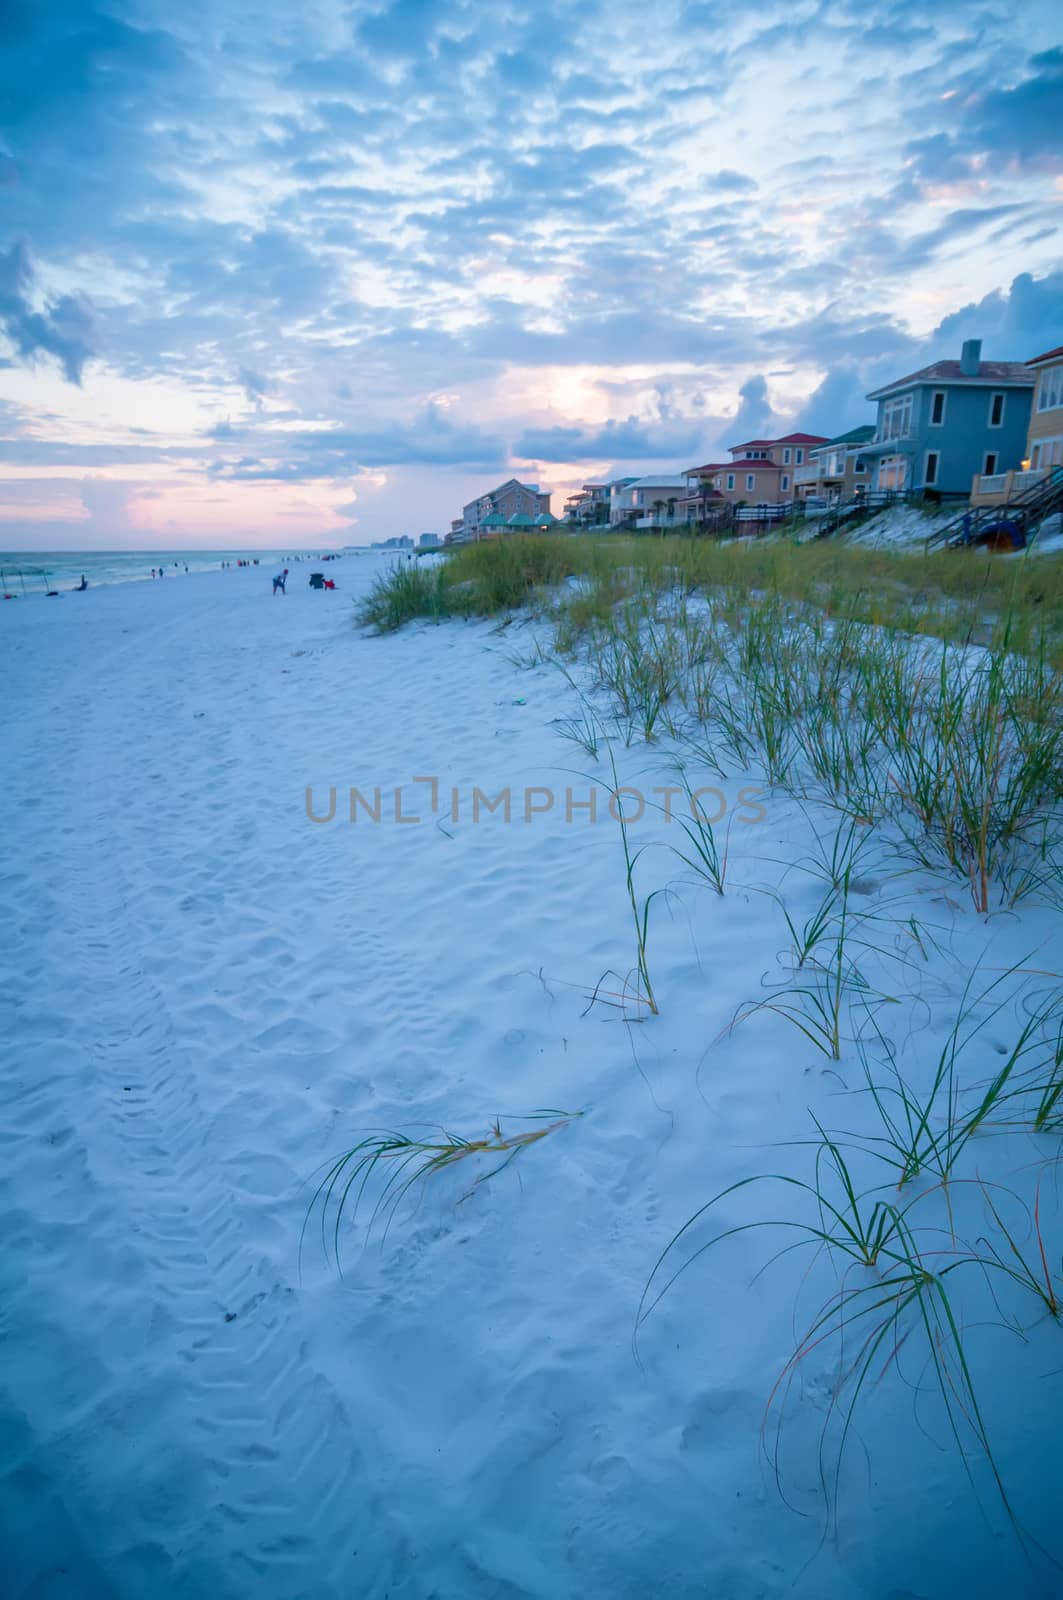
[384,1166]
[963,597]
[917,700]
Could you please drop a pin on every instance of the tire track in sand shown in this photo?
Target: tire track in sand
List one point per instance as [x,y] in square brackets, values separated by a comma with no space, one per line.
[260,1485]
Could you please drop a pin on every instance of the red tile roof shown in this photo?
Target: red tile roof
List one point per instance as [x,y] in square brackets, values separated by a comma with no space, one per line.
[710,466]
[790,438]
[1049,355]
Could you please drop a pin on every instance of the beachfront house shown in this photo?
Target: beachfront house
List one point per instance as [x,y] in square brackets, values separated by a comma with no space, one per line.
[836,470]
[701,500]
[761,472]
[940,426]
[589,506]
[525,522]
[489,514]
[651,502]
[1044,438]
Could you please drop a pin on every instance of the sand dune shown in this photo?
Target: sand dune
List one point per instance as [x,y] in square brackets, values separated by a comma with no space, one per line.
[205,996]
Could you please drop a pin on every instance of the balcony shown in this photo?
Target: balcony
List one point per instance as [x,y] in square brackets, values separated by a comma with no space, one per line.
[1000,488]
[662,519]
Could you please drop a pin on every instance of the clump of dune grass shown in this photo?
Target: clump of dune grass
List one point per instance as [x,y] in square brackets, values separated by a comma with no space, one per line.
[403,595]
[387,1165]
[479,580]
[894,1285]
[944,594]
[910,1277]
[640,906]
[908,1287]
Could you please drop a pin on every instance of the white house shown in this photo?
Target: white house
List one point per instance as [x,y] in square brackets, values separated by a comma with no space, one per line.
[651,502]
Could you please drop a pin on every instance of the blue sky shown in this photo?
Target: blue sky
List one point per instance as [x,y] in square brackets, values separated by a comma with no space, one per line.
[316,274]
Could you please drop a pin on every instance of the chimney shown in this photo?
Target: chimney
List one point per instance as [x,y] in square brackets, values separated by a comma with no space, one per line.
[971,357]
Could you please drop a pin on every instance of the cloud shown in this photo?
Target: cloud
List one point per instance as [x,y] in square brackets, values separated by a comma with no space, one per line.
[731,182]
[754,418]
[254,384]
[1012,127]
[431,438]
[629,440]
[1014,325]
[64,327]
[347,210]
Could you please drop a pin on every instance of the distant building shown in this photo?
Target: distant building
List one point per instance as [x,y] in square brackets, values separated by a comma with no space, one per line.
[429,541]
[589,506]
[761,472]
[939,427]
[837,469]
[702,500]
[401,541]
[650,502]
[510,499]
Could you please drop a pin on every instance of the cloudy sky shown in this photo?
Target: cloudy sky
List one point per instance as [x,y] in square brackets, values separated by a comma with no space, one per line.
[315,273]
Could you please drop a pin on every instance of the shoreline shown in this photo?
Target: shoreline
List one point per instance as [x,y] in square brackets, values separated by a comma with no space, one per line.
[65,568]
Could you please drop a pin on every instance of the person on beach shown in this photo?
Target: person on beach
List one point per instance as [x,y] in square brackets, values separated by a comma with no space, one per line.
[279,582]
[78,588]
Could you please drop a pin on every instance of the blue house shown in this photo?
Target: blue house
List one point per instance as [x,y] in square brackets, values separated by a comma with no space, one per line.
[939,427]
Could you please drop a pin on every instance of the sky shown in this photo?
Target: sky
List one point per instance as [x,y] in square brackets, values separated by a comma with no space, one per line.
[314,274]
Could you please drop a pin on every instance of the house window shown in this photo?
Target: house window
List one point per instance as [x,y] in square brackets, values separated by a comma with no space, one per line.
[785,484]
[786,456]
[799,456]
[896,420]
[930,476]
[861,466]
[730,480]
[1050,389]
[892,472]
[989,465]
[937,408]
[996,410]
[751,480]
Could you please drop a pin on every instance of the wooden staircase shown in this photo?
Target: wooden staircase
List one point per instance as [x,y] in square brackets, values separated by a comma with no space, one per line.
[1017,520]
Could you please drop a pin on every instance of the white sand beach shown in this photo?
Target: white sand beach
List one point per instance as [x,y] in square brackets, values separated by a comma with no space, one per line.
[207,997]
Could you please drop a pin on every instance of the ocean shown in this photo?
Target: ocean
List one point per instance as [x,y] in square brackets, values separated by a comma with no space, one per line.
[35,572]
